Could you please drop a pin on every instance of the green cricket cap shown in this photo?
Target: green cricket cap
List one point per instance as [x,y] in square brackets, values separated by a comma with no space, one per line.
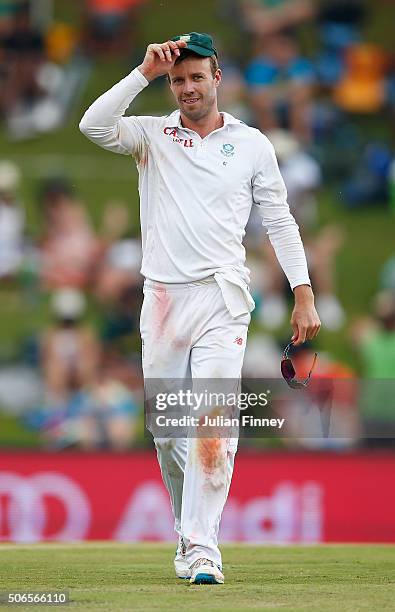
[200,43]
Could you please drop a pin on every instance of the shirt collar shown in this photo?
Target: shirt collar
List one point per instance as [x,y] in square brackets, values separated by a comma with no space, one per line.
[174,120]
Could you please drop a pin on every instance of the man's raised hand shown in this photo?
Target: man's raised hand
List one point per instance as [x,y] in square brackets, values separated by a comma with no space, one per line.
[160,58]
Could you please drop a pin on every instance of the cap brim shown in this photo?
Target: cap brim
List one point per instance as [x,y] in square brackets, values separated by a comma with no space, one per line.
[199,50]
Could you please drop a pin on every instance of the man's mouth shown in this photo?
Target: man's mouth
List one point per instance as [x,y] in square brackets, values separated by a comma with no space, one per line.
[191,101]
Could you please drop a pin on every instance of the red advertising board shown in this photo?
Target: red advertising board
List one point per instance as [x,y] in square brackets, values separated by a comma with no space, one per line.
[275,498]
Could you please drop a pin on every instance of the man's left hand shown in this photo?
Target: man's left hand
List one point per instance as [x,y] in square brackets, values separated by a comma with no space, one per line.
[305,320]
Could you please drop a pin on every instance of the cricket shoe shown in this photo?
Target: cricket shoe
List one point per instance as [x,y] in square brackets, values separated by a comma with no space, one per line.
[180,564]
[204,571]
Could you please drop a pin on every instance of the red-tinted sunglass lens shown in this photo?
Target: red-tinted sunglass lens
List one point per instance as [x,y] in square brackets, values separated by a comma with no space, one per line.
[287,369]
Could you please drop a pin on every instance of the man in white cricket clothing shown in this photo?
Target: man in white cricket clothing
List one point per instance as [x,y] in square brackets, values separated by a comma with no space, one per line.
[200,171]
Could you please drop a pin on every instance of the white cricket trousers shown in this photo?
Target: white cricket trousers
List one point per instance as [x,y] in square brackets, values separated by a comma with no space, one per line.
[187,332]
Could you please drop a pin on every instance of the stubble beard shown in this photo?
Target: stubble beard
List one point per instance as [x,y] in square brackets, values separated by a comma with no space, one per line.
[196,115]
[200,113]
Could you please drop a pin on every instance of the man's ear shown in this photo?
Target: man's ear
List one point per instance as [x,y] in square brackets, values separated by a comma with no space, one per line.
[218,77]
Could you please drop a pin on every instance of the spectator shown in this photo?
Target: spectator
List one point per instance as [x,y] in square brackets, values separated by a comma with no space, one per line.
[262,358]
[375,341]
[70,250]
[70,351]
[368,182]
[119,287]
[267,17]
[375,338]
[7,13]
[11,221]
[120,267]
[302,176]
[101,416]
[232,94]
[108,415]
[120,337]
[87,404]
[339,23]
[7,18]
[24,54]
[281,82]
[362,88]
[109,24]
[36,92]
[61,42]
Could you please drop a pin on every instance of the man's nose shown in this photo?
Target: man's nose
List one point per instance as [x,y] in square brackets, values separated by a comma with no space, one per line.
[189,87]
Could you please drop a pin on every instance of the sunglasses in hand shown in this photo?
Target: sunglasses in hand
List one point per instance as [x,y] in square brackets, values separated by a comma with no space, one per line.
[288,370]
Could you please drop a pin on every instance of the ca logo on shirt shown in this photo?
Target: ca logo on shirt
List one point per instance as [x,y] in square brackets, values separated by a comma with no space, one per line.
[228,150]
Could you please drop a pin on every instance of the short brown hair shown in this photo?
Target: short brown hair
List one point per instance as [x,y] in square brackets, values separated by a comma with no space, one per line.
[187,53]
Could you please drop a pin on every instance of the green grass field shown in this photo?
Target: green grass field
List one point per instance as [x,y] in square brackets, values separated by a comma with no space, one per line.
[107,576]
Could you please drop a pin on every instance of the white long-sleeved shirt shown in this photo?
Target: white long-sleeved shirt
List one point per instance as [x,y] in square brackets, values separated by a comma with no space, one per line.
[196,193]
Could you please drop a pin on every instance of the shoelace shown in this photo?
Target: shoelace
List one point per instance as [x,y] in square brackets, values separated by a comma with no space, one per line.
[200,562]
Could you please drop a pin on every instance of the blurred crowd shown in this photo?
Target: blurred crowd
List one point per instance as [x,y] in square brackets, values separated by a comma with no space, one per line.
[306,93]
[45,64]
[308,68]
[91,390]
[307,98]
[312,99]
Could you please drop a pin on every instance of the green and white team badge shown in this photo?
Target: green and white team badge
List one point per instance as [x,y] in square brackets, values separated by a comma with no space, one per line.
[228,150]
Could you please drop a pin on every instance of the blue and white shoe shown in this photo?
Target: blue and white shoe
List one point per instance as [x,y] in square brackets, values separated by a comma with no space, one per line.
[204,571]
[181,567]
